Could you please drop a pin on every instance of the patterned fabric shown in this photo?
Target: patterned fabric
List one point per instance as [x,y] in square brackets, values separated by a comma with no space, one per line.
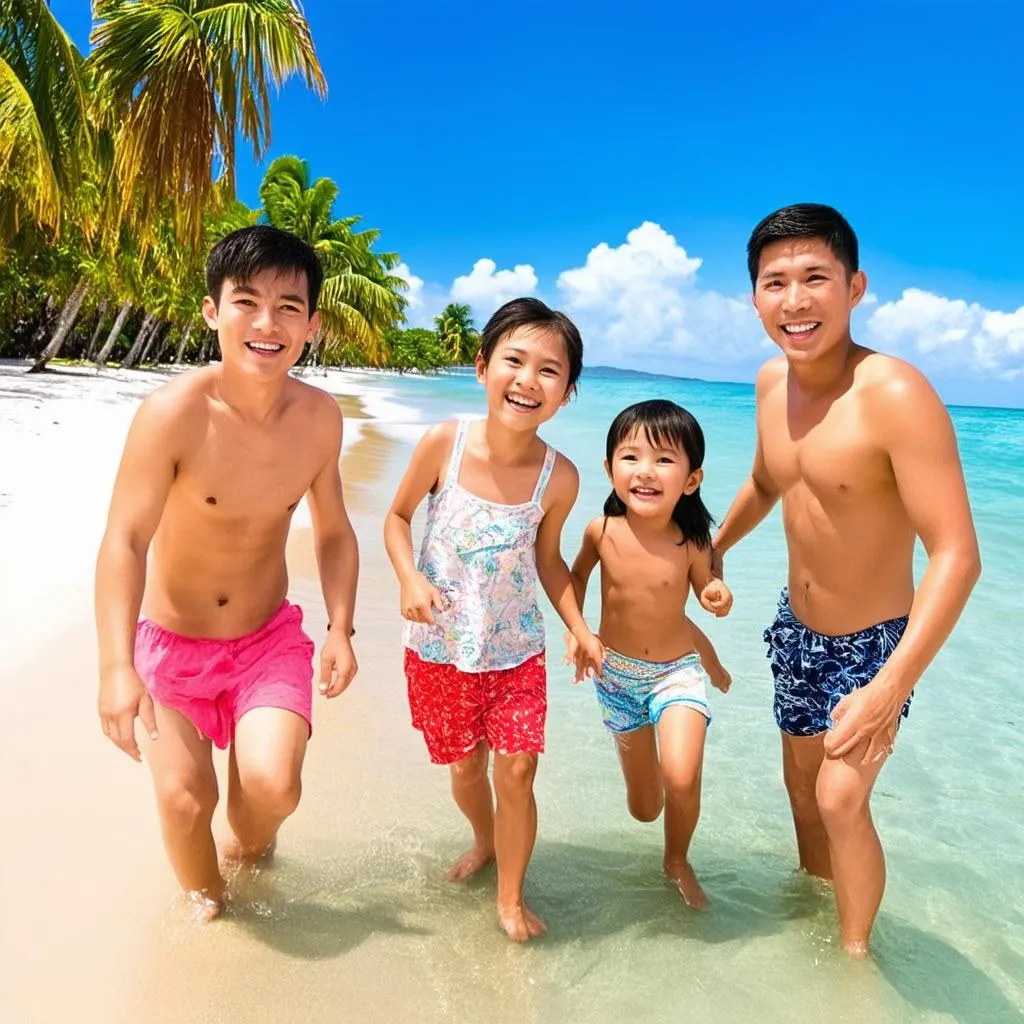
[455,710]
[480,556]
[634,693]
[813,671]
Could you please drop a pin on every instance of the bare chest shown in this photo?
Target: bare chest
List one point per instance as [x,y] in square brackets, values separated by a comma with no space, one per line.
[655,575]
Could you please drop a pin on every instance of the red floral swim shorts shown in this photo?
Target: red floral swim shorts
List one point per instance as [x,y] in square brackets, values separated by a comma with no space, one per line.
[455,710]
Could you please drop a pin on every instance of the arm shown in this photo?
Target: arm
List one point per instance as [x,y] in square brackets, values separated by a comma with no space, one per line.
[143,482]
[337,558]
[710,588]
[554,575]
[585,562]
[922,448]
[758,493]
[418,596]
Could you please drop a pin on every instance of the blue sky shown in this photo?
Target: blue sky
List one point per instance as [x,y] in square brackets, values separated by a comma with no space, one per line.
[530,135]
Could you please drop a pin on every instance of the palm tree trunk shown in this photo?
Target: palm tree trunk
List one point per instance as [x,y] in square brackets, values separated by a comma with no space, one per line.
[148,324]
[115,333]
[45,321]
[186,334]
[155,340]
[65,322]
[101,314]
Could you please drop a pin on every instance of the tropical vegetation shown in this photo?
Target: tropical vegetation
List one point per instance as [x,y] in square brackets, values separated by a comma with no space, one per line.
[110,199]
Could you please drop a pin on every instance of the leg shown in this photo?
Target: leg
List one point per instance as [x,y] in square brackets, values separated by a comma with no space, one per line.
[472,792]
[186,795]
[515,831]
[844,792]
[638,755]
[681,735]
[801,761]
[264,783]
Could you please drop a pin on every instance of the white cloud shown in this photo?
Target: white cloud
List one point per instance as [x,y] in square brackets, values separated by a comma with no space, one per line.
[485,287]
[639,302]
[414,295]
[950,335]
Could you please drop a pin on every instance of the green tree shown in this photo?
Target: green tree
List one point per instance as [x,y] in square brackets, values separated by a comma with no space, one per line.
[457,332]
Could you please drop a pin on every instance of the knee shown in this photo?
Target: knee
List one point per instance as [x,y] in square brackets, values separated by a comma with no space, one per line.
[840,801]
[680,788]
[514,774]
[802,794]
[470,771]
[644,806]
[274,793]
[187,804]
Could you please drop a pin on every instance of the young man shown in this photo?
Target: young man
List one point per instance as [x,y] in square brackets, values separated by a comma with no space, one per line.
[213,467]
[862,453]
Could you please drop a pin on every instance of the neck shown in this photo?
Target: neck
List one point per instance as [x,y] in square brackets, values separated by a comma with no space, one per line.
[507,447]
[251,398]
[827,373]
[649,526]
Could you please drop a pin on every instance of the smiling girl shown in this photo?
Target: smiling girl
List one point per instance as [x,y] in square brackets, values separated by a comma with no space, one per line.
[653,544]
[474,637]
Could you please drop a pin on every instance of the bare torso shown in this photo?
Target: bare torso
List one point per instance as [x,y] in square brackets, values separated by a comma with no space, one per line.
[645,580]
[850,540]
[217,560]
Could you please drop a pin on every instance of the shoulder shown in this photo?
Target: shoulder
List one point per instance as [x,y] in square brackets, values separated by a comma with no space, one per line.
[314,401]
[596,529]
[440,437]
[895,393]
[565,477]
[180,407]
[770,376]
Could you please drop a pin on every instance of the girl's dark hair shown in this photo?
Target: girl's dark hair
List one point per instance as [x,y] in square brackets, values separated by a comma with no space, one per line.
[665,425]
[531,312]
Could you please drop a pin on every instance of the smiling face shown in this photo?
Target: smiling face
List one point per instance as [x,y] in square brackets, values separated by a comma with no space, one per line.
[262,324]
[804,295]
[649,479]
[526,377]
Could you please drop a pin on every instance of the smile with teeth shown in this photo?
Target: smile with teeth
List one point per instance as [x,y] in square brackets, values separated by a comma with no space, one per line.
[644,492]
[264,346]
[802,328]
[522,402]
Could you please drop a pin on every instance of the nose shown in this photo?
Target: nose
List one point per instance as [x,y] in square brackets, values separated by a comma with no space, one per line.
[264,320]
[526,377]
[795,297]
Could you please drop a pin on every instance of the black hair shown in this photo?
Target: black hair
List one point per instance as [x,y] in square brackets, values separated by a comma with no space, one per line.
[529,312]
[805,220]
[246,252]
[665,424]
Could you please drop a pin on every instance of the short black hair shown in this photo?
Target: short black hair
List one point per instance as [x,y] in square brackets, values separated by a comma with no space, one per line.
[529,312]
[804,220]
[246,252]
[665,424]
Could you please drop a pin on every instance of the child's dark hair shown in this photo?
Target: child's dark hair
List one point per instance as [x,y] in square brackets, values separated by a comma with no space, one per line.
[248,251]
[666,425]
[804,220]
[531,312]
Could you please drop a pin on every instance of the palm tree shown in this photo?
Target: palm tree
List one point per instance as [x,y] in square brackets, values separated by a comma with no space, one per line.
[361,298]
[45,136]
[178,80]
[459,337]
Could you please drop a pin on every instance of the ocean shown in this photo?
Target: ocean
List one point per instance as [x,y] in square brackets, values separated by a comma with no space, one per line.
[949,942]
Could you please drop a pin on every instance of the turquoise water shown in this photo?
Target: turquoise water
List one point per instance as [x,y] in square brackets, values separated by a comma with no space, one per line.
[949,942]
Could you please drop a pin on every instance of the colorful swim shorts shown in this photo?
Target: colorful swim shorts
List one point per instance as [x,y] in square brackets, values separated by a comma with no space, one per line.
[213,683]
[634,693]
[814,671]
[455,710]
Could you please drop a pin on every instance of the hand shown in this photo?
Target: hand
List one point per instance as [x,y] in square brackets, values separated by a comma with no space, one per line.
[588,657]
[864,725]
[571,647]
[419,599]
[123,698]
[720,678]
[337,664]
[716,598]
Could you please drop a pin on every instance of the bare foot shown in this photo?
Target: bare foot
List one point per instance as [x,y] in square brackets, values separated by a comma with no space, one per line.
[681,874]
[203,908]
[472,861]
[519,922]
[857,948]
[235,853]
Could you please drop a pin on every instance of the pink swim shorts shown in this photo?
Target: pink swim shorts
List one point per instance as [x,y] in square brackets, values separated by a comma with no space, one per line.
[214,682]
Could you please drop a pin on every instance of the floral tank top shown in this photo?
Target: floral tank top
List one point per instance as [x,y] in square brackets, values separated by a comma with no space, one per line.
[480,556]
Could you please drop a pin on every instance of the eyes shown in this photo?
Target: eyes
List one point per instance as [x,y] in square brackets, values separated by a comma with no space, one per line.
[662,460]
[775,284]
[248,305]
[547,371]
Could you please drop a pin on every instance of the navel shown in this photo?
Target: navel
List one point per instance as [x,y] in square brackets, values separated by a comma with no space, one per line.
[221,601]
[211,500]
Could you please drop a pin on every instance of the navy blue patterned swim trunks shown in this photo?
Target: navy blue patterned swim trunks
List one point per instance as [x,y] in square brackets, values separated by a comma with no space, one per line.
[813,671]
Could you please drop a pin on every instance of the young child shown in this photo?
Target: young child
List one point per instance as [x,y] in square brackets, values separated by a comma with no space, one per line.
[653,543]
[474,638]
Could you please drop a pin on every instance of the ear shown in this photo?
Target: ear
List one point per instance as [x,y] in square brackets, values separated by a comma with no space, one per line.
[695,480]
[608,470]
[858,287]
[210,312]
[568,397]
[481,368]
[314,326]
